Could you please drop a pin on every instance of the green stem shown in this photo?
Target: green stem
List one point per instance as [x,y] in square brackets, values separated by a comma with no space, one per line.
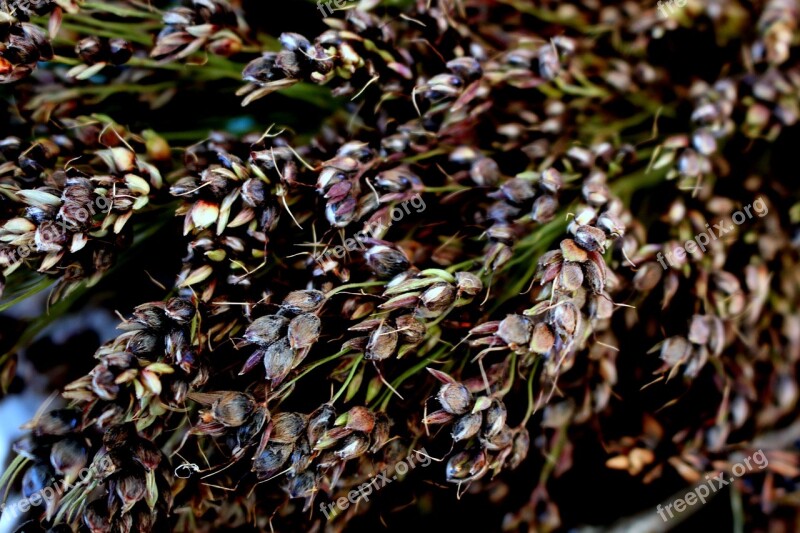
[531,379]
[387,395]
[354,286]
[346,383]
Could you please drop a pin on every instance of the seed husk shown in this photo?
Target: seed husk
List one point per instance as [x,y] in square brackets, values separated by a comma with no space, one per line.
[382,343]
[233,408]
[466,426]
[455,398]
[304,330]
[303,301]
[266,329]
[278,360]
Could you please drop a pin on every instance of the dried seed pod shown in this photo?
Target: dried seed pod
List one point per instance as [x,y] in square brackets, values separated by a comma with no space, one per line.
[58,422]
[92,50]
[455,398]
[544,209]
[270,461]
[500,441]
[380,433]
[119,51]
[466,466]
[248,431]
[361,419]
[699,331]
[485,172]
[36,478]
[494,418]
[320,421]
[146,454]
[515,330]
[130,489]
[466,426]
[675,351]
[411,329]
[353,445]
[590,238]
[233,409]
[180,310]
[304,330]
[278,359]
[301,456]
[302,486]
[68,457]
[468,283]
[120,436]
[143,343]
[571,277]
[288,427]
[542,340]
[382,343]
[519,448]
[566,318]
[303,301]
[385,261]
[266,329]
[648,277]
[96,517]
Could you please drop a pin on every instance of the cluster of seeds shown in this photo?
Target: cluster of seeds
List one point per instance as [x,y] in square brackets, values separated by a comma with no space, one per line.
[556,153]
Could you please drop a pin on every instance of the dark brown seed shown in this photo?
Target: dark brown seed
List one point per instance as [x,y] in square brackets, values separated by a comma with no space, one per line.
[266,329]
[68,457]
[130,490]
[233,408]
[278,359]
[648,277]
[591,238]
[58,422]
[95,517]
[120,436]
[519,448]
[495,418]
[386,261]
[320,421]
[271,459]
[353,445]
[303,301]
[288,427]
[572,252]
[380,434]
[304,330]
[382,343]
[35,479]
[180,310]
[302,486]
[411,329]
[466,426]
[466,466]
